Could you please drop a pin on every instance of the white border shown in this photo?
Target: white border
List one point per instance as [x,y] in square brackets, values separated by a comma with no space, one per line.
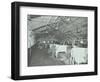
[25,70]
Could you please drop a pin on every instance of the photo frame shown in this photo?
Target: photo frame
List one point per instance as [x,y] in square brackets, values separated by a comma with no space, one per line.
[53,40]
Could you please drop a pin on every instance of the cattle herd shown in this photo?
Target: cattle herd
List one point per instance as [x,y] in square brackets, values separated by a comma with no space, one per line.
[69,55]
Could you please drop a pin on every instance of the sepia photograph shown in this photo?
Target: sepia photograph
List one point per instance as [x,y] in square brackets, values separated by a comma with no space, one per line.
[57,40]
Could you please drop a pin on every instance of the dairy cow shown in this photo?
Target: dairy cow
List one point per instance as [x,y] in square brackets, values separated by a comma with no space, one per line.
[60,48]
[55,49]
[79,54]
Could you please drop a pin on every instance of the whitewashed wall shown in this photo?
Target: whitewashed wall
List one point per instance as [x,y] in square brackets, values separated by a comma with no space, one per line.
[31,39]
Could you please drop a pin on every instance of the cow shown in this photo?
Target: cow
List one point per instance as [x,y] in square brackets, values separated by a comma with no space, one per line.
[60,48]
[56,48]
[79,54]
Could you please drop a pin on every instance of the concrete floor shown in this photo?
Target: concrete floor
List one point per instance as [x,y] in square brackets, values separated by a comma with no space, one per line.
[40,57]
